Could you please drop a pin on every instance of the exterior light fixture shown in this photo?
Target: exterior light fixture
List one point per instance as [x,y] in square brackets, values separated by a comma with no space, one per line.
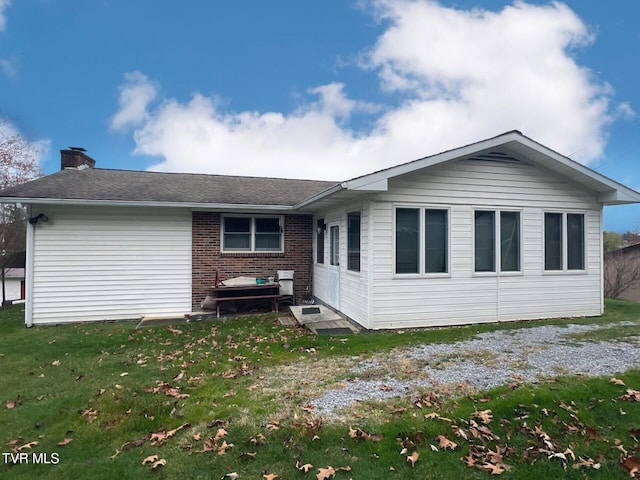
[41,217]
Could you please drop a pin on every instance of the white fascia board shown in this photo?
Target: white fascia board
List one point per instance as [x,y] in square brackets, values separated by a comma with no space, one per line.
[379,185]
[615,193]
[132,203]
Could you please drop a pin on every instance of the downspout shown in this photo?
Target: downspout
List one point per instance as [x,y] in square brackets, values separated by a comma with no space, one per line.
[601,246]
[28,274]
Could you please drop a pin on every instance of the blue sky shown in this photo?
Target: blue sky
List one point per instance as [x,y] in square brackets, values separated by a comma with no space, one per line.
[329,90]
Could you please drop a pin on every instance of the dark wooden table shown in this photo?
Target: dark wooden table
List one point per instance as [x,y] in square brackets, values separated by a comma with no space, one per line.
[246,293]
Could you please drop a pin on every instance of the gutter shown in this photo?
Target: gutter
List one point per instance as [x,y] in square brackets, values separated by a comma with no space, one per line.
[28,275]
[134,203]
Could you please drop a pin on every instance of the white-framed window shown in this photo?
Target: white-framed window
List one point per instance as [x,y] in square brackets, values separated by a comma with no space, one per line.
[353,241]
[497,241]
[244,233]
[564,241]
[421,240]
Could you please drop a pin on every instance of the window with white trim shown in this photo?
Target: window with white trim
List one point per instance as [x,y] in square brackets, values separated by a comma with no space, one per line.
[496,241]
[421,240]
[252,234]
[353,241]
[564,241]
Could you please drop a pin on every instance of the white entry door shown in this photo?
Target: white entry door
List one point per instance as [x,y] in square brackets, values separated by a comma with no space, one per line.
[334,265]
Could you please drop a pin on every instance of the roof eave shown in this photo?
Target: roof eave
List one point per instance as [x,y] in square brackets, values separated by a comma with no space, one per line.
[134,203]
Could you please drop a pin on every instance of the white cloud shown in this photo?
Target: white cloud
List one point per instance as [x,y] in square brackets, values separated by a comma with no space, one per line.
[464,76]
[8,68]
[4,4]
[135,95]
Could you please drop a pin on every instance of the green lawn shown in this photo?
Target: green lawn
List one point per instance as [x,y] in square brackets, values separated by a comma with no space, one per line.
[212,398]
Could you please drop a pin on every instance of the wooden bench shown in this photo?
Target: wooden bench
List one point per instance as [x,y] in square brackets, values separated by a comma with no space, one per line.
[273,297]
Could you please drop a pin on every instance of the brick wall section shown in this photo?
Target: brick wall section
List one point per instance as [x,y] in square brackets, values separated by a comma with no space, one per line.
[207,258]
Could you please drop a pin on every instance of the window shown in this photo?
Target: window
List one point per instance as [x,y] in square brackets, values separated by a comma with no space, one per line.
[320,227]
[485,241]
[436,234]
[407,240]
[486,235]
[553,241]
[564,241]
[353,241]
[575,241]
[334,245]
[426,227]
[252,234]
[510,241]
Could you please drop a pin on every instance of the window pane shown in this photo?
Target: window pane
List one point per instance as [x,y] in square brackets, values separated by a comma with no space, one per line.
[268,241]
[510,241]
[485,241]
[334,245]
[575,241]
[407,240]
[353,242]
[237,224]
[436,238]
[267,225]
[237,233]
[553,241]
[320,226]
[237,241]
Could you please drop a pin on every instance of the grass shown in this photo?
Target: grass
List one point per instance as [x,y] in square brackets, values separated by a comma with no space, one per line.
[99,398]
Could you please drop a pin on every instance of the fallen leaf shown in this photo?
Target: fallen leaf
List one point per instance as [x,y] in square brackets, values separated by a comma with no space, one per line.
[632,464]
[10,404]
[55,363]
[124,374]
[631,395]
[485,416]
[232,476]
[446,443]
[26,446]
[413,458]
[150,459]
[304,468]
[64,442]
[495,469]
[588,462]
[224,447]
[269,476]
[161,462]
[616,381]
[325,473]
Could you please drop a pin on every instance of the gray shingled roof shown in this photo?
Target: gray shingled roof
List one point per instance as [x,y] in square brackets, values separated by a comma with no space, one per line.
[128,185]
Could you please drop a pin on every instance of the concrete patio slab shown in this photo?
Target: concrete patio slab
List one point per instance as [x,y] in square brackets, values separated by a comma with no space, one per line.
[320,319]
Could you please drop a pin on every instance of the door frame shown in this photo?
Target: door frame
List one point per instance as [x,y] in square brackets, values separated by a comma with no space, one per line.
[333,288]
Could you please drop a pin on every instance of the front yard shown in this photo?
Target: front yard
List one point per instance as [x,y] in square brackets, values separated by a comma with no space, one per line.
[235,399]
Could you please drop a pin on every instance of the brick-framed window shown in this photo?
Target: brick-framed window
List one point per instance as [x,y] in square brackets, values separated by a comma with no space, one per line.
[246,233]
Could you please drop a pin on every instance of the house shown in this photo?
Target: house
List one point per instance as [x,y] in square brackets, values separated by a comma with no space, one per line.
[14,285]
[622,273]
[502,229]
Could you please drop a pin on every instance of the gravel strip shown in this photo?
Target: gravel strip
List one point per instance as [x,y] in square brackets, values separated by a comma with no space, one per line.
[489,360]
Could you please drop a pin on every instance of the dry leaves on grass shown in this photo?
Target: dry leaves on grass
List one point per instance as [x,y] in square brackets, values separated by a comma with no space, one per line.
[359,434]
[413,458]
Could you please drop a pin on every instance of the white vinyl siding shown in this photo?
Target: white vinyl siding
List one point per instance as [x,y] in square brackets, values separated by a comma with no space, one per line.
[354,285]
[464,297]
[98,263]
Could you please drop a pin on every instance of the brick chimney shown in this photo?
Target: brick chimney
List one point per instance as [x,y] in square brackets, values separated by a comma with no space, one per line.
[75,158]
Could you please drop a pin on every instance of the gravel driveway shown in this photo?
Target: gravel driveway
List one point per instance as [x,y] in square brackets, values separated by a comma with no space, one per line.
[489,360]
